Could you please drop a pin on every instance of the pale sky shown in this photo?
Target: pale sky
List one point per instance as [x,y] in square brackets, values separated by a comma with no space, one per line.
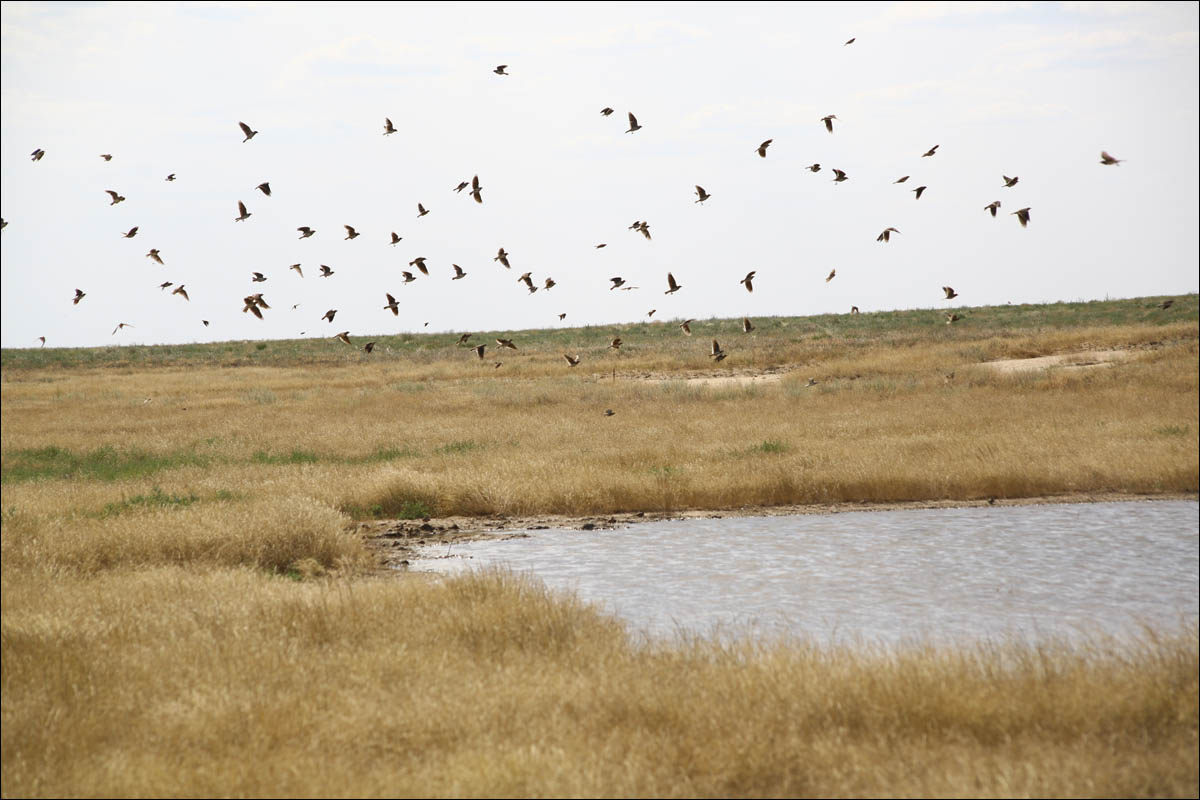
[1033,90]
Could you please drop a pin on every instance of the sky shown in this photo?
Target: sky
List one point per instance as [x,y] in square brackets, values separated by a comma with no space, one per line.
[1032,90]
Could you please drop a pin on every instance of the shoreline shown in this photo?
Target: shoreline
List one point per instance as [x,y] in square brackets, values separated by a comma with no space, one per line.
[398,542]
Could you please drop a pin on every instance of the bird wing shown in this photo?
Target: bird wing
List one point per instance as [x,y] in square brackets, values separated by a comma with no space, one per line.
[245,128]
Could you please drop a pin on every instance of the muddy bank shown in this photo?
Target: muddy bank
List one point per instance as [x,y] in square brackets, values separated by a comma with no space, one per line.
[396,542]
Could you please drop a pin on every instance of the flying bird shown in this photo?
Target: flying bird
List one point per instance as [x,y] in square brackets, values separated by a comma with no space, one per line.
[616,282]
[299,271]
[1009,182]
[153,254]
[572,361]
[930,151]
[421,211]
[633,123]
[762,148]
[562,316]
[369,346]
[1165,304]
[325,271]
[330,314]
[350,232]
[479,351]
[644,229]
[258,277]
[265,188]
[686,326]
[992,207]
[500,69]
[42,339]
[106,156]
[506,343]
[951,318]
[79,295]
[602,244]
[841,176]
[246,130]
[179,290]
[463,339]
[748,281]
[1022,216]
[528,281]
[205,322]
[388,127]
[747,326]
[717,353]
[886,236]
[672,286]
[120,324]
[901,180]
[649,313]
[37,155]
[502,257]
[458,272]
[615,343]
[832,273]
[395,239]
[164,285]
[462,185]
[849,41]
[408,276]
[132,232]
[703,195]
[853,309]
[920,190]
[250,304]
[549,284]
[419,263]
[170,177]
[243,213]
[950,293]
[829,122]
[116,198]
[1108,160]
[343,337]
[813,168]
[476,189]
[305,231]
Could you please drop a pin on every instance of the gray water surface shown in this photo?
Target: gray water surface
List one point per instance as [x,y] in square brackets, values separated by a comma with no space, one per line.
[932,575]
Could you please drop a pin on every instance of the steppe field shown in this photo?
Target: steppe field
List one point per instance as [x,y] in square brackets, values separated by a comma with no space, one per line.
[195,604]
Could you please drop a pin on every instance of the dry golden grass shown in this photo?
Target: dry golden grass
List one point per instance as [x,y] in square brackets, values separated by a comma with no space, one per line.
[186,609]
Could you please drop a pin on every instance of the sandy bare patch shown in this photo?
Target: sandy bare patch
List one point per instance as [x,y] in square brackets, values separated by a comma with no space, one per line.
[1087,359]
[741,378]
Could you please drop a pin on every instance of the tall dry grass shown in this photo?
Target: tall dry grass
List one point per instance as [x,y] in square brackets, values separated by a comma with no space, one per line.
[172,681]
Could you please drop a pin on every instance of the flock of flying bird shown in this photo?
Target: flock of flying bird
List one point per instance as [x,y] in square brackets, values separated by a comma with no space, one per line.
[255,304]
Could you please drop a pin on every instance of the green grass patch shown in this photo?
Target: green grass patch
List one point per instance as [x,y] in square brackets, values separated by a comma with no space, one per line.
[770,446]
[458,448]
[156,499]
[102,464]
[1173,430]
[294,457]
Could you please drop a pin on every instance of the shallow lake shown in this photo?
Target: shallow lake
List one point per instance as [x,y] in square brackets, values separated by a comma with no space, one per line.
[886,577]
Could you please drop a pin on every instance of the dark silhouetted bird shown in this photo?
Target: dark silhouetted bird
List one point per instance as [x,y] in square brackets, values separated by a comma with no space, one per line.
[107,157]
[243,214]
[901,180]
[325,271]
[79,295]
[672,286]
[329,315]
[703,195]
[458,272]
[950,293]
[762,148]
[686,326]
[305,231]
[180,291]
[500,69]
[840,176]
[717,353]
[1108,160]
[829,122]
[502,257]
[388,127]
[258,277]
[832,274]
[343,337]
[395,239]
[246,130]
[886,236]
[616,282]
[265,188]
[116,198]
[1009,182]
[170,177]
[992,207]
[506,343]
[633,123]
[132,232]
[37,155]
[930,151]
[920,190]
[476,189]
[350,232]
[119,326]
[419,263]
[1022,216]
[153,254]
[747,326]
[421,210]
[748,281]
[299,271]
[392,305]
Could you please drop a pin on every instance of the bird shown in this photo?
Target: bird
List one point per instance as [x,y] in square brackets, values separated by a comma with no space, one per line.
[649,313]
[1165,304]
[616,282]
[479,351]
[841,176]
[1108,160]
[388,127]
[686,326]
[572,361]
[259,301]
[305,231]
[562,316]
[549,284]
[849,41]
[1022,216]
[258,277]
[853,309]
[153,254]
[250,304]
[42,339]
[116,198]
[528,281]
[951,318]
[748,281]
[79,295]
[703,195]
[930,151]
[886,236]
[132,232]
[920,190]
[369,346]
[350,232]
[119,326]
[717,353]
[502,257]
[265,188]
[633,123]
[813,168]
[832,273]
[476,189]
[644,229]
[37,155]
[325,271]
[901,180]
[408,276]
[812,382]
[395,239]
[330,314]
[601,245]
[179,290]
[205,322]
[344,337]
[762,148]
[243,214]
[463,339]
[164,285]
[992,207]
[458,272]
[170,177]
[106,156]
[462,185]
[950,293]
[299,271]
[608,412]
[615,343]
[246,130]
[672,286]
[421,211]
[500,69]
[419,263]
[829,122]
[747,326]
[506,343]
[1009,182]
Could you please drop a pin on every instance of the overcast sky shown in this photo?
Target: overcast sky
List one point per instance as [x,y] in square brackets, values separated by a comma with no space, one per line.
[1033,90]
